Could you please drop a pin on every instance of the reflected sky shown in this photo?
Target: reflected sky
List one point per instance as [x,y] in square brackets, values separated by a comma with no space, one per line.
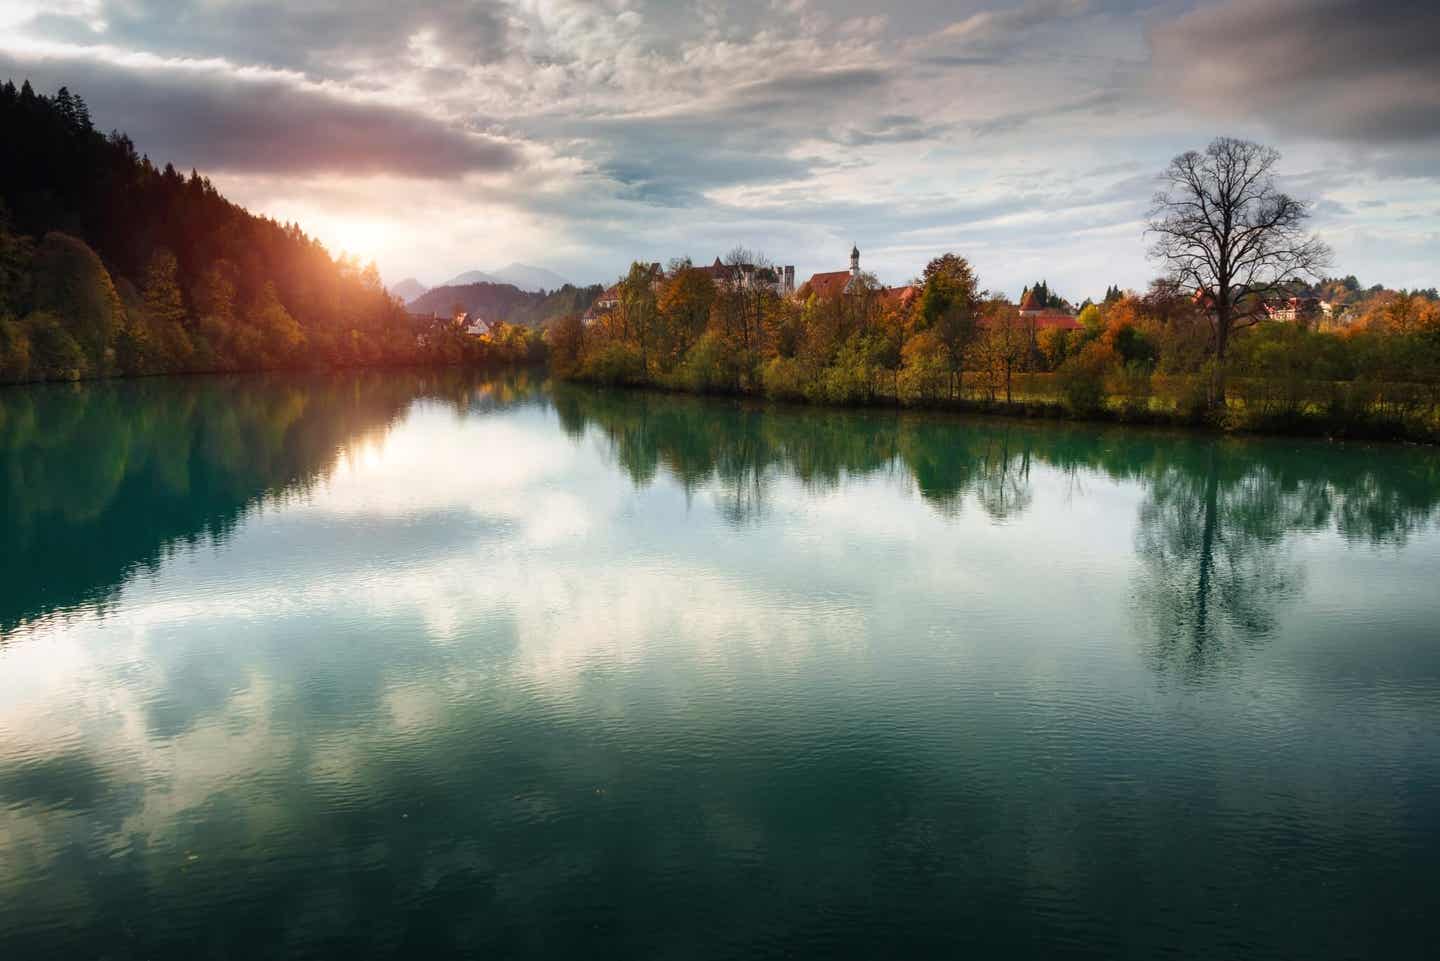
[379,662]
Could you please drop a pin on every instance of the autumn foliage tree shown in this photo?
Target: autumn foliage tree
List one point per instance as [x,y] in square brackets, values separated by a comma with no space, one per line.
[1227,235]
[949,310]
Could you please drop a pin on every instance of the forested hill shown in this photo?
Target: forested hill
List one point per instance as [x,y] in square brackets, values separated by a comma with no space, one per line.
[112,265]
[506,302]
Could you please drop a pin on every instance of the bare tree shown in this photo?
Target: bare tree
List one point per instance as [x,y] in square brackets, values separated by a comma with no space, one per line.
[746,282]
[1229,237]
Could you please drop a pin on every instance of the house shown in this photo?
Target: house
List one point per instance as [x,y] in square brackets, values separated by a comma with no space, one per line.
[1041,317]
[901,297]
[1291,309]
[602,306]
[838,283]
[779,280]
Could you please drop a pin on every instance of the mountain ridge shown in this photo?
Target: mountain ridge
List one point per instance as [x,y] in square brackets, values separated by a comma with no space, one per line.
[526,277]
[506,302]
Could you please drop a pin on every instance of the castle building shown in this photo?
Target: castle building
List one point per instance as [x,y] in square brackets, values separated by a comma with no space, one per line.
[838,283]
[780,280]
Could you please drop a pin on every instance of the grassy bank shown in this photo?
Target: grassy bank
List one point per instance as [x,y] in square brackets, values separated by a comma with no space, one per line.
[1335,409]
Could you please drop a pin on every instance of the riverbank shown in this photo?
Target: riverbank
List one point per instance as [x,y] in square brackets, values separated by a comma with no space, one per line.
[1336,411]
[486,366]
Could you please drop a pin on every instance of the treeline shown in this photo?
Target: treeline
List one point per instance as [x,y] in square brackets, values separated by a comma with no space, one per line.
[1143,356]
[506,302]
[110,265]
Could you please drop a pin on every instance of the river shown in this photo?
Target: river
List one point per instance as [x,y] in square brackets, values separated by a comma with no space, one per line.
[427,664]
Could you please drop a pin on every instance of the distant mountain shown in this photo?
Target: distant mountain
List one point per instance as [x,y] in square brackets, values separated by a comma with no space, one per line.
[505,302]
[528,277]
[523,276]
[408,289]
[471,277]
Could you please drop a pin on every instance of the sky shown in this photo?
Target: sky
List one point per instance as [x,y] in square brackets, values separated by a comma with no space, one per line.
[439,136]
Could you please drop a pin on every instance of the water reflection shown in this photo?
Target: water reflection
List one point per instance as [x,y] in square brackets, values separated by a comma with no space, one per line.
[100,483]
[1211,528]
[423,663]
[1378,494]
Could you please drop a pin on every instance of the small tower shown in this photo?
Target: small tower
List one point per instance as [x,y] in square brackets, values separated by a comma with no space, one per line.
[854,261]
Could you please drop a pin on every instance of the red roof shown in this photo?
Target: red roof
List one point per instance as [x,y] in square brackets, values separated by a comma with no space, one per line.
[828,285]
[1054,318]
[1030,302]
[901,296]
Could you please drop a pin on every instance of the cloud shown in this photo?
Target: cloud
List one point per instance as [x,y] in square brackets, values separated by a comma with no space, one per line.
[317,34]
[1103,102]
[582,133]
[992,25]
[212,115]
[741,135]
[1363,71]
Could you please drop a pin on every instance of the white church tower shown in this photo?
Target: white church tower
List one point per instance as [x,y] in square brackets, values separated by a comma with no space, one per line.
[854,262]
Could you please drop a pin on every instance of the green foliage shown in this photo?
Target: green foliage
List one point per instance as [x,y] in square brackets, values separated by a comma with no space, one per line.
[785,378]
[711,366]
[950,307]
[69,281]
[14,350]
[16,269]
[1045,295]
[273,335]
[925,376]
[54,354]
[1054,346]
[1082,378]
[614,363]
[1132,383]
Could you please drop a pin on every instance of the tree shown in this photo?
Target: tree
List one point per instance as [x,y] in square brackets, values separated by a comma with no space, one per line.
[950,306]
[276,333]
[1230,237]
[1004,346]
[165,312]
[16,255]
[684,307]
[215,302]
[567,345]
[70,281]
[636,310]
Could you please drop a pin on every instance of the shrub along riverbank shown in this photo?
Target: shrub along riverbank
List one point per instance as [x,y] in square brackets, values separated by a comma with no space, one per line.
[1141,358]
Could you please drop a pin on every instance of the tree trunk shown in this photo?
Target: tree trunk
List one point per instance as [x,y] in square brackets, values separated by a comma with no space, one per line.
[1222,341]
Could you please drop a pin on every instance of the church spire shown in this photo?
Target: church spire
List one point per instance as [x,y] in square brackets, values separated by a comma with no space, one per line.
[854,261]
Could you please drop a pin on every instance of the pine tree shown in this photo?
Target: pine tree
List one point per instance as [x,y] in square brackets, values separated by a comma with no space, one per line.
[164,311]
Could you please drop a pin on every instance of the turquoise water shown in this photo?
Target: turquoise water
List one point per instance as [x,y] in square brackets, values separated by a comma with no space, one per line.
[384,664]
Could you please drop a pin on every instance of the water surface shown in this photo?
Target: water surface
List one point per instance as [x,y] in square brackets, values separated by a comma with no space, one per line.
[383,664]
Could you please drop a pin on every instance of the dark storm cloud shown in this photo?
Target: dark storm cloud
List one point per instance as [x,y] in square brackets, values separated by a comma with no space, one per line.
[1358,70]
[315,36]
[215,120]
